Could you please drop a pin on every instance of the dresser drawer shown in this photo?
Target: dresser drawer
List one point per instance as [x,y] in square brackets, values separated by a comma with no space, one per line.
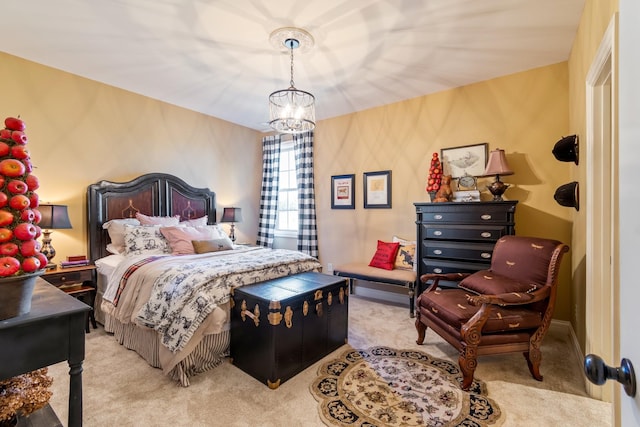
[463,251]
[432,265]
[487,215]
[482,212]
[488,232]
[69,277]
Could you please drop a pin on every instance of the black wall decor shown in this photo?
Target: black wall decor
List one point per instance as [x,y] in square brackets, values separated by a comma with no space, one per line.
[566,150]
[568,195]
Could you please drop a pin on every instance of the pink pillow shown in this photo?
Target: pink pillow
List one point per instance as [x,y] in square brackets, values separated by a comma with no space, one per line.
[385,255]
[180,237]
[158,220]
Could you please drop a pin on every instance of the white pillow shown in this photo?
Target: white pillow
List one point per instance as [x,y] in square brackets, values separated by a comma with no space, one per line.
[196,222]
[158,220]
[115,228]
[218,231]
[145,239]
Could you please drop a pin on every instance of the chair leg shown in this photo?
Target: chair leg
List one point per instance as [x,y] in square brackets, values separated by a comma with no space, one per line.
[468,362]
[421,328]
[534,357]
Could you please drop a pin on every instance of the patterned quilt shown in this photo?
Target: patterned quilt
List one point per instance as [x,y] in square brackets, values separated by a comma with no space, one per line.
[185,292]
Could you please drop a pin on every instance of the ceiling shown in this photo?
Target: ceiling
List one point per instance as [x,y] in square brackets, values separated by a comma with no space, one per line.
[215,56]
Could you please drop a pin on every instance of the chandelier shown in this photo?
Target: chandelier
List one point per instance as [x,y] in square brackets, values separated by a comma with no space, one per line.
[292,110]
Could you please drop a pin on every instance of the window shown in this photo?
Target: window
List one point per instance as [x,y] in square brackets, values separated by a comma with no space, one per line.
[287,190]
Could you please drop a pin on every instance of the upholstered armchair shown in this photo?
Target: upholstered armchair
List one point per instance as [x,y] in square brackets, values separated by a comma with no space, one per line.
[505,309]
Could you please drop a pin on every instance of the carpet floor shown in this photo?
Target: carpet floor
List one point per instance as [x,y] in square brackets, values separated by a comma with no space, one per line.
[120,389]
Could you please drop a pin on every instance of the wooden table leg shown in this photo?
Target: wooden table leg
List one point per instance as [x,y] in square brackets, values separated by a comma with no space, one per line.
[75,394]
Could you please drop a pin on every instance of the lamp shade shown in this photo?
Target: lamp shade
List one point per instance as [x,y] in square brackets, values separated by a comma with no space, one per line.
[231,215]
[497,164]
[54,217]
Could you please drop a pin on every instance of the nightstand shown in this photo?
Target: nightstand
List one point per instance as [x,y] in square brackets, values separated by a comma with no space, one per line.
[79,282]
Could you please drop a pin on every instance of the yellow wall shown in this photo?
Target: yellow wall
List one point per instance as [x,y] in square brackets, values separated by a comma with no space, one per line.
[81,132]
[524,114]
[593,24]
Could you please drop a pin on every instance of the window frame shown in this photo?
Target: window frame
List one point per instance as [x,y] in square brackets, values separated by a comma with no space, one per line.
[286,146]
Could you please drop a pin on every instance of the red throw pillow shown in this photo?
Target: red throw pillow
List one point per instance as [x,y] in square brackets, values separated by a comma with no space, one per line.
[385,255]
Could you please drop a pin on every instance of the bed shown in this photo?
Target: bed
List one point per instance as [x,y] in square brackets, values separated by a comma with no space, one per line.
[159,293]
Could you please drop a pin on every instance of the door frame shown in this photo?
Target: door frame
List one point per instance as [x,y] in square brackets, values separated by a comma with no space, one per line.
[601,207]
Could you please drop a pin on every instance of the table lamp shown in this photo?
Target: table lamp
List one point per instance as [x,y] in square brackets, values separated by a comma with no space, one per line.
[232,215]
[54,217]
[497,165]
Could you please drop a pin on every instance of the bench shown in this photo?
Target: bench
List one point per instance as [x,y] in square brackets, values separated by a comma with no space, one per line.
[395,277]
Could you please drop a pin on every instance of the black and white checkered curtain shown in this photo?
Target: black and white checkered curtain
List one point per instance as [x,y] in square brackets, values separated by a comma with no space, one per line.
[269,192]
[307,230]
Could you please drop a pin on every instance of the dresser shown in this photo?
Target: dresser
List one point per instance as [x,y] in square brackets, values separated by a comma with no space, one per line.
[459,237]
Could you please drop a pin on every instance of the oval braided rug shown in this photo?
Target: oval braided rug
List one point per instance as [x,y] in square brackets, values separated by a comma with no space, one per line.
[382,386]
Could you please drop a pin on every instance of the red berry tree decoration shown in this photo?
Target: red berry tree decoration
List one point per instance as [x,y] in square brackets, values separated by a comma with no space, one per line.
[19,249]
[435,174]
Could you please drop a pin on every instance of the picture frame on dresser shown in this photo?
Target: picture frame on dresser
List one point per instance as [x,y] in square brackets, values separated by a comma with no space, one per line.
[465,160]
[377,189]
[343,192]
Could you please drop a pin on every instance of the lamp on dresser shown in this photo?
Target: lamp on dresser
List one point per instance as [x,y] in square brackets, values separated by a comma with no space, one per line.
[54,217]
[232,215]
[497,165]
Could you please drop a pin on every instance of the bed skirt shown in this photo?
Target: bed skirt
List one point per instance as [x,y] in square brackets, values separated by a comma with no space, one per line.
[209,353]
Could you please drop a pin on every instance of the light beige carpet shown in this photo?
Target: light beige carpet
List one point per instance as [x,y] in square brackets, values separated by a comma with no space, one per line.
[120,389]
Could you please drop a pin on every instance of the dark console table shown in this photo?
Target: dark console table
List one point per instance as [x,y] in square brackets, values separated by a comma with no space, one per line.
[53,331]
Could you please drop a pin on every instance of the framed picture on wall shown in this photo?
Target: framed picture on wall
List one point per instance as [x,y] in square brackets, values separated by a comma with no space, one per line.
[343,192]
[377,189]
[464,160]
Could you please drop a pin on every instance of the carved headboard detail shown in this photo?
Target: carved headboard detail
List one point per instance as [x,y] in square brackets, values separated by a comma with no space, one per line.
[155,194]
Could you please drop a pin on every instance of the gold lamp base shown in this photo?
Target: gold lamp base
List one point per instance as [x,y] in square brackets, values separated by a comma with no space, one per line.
[497,188]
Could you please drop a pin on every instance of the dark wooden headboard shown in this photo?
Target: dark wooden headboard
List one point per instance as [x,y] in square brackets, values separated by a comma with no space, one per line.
[155,194]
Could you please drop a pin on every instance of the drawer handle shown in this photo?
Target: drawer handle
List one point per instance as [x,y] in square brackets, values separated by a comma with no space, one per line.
[485,234]
[486,217]
[437,233]
[437,252]
[437,270]
[485,255]
[437,217]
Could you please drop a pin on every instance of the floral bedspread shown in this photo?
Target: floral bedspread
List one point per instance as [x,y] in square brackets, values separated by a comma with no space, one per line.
[184,294]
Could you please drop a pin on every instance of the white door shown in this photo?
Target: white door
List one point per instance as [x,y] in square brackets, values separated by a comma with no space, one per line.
[629,202]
